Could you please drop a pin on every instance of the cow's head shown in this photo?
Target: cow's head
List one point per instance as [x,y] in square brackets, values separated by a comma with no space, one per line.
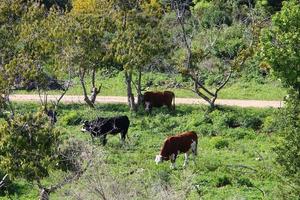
[158,159]
[147,106]
[85,126]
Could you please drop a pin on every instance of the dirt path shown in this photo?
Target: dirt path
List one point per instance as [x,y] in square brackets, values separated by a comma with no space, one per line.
[118,99]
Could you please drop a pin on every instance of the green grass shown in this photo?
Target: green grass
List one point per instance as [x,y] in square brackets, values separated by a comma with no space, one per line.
[231,171]
[115,86]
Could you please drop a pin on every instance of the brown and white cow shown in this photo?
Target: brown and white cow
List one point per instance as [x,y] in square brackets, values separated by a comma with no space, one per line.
[158,99]
[183,143]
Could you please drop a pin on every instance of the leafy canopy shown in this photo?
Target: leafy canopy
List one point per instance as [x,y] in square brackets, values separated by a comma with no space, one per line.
[280,44]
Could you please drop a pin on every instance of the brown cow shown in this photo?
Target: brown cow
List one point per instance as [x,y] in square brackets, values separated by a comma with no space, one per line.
[159,99]
[183,143]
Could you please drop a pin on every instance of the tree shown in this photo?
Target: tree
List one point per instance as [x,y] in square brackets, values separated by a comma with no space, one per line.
[88,34]
[280,51]
[280,45]
[219,50]
[10,16]
[139,40]
[28,145]
[30,148]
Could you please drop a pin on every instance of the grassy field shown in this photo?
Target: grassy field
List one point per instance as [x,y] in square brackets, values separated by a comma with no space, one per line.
[235,158]
[115,86]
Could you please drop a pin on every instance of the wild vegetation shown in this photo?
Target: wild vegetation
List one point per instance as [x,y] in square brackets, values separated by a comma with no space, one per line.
[205,48]
[235,156]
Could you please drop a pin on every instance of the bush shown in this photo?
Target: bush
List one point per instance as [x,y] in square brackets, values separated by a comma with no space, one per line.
[288,150]
[212,165]
[8,188]
[223,181]
[252,122]
[221,144]
[241,133]
[244,182]
[270,124]
[222,119]
[28,144]
[73,118]
[214,16]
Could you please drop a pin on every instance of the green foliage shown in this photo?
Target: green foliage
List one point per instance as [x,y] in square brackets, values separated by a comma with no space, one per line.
[279,44]
[245,182]
[222,144]
[252,122]
[213,13]
[280,49]
[134,163]
[289,148]
[71,118]
[241,133]
[223,181]
[28,146]
[231,40]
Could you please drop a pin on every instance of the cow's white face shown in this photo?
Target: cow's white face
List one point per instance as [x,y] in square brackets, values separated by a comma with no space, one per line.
[158,159]
[147,105]
[85,126]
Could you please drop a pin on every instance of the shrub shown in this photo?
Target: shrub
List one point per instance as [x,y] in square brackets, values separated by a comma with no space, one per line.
[221,144]
[212,165]
[71,119]
[270,124]
[288,150]
[252,122]
[241,133]
[245,182]
[7,187]
[223,181]
[222,119]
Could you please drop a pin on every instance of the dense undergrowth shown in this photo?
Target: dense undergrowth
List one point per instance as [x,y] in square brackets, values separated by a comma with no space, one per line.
[235,158]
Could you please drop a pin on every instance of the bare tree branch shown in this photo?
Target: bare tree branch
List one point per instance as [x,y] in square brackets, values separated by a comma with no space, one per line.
[2,182]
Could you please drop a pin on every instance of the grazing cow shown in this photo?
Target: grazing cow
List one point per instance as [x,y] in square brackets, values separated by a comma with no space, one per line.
[158,99]
[183,143]
[101,127]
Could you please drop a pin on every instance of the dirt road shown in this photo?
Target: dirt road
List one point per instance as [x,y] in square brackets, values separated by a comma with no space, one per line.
[118,99]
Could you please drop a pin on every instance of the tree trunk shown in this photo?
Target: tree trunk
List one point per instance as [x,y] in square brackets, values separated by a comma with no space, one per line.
[130,96]
[44,194]
[95,90]
[139,88]
[86,98]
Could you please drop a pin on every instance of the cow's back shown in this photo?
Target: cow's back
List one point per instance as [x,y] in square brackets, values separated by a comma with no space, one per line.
[122,122]
[179,144]
[155,98]
[184,140]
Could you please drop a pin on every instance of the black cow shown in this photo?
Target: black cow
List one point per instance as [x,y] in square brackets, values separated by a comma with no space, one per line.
[101,127]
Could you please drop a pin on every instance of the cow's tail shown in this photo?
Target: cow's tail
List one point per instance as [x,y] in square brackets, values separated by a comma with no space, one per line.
[195,151]
[196,148]
[173,101]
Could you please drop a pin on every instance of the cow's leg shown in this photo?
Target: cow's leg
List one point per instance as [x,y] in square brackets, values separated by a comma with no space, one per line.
[123,136]
[186,157]
[103,140]
[92,136]
[173,159]
[194,150]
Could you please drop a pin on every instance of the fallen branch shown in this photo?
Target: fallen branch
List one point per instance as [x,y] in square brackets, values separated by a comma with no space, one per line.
[2,182]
